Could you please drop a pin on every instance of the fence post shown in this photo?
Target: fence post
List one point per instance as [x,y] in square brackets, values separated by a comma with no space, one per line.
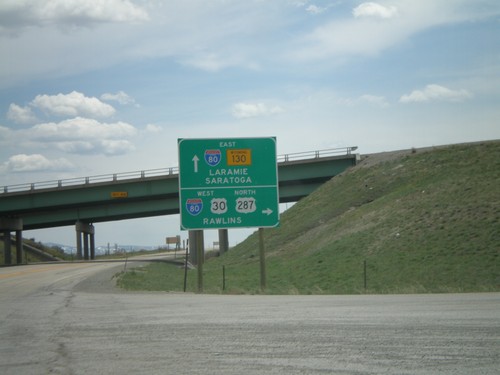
[262,260]
[223,277]
[364,274]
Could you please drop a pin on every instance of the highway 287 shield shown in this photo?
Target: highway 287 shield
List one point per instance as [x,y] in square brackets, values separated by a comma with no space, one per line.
[228,183]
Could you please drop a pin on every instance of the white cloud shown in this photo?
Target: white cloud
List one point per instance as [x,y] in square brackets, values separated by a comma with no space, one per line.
[75,147]
[314,9]
[21,115]
[109,147]
[212,62]
[379,101]
[246,110]
[116,146]
[5,135]
[374,28]
[343,39]
[435,92]
[152,128]
[300,3]
[82,128]
[15,14]
[120,97]
[84,136]
[77,135]
[214,35]
[366,99]
[71,105]
[374,10]
[207,34]
[36,162]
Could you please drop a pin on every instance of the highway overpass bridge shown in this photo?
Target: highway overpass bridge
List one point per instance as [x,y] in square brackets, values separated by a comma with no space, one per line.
[85,201]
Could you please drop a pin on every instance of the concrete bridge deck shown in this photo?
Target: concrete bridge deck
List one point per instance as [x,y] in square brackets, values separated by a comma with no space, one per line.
[148,193]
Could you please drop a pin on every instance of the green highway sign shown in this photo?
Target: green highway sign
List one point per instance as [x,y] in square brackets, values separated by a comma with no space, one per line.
[228,183]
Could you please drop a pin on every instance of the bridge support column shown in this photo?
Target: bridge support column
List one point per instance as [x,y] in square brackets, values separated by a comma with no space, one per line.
[85,246]
[7,225]
[7,257]
[195,242]
[86,231]
[78,243]
[223,241]
[19,246]
[92,244]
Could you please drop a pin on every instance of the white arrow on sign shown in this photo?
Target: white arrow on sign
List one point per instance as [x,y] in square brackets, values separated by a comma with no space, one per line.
[267,211]
[195,161]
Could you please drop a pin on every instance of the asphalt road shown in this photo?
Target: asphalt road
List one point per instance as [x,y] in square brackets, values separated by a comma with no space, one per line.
[69,319]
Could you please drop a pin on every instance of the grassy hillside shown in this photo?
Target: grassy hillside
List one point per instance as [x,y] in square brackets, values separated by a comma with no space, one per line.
[421,221]
[30,257]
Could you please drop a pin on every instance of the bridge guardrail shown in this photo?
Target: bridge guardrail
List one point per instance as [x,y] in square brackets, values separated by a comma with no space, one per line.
[80,181]
[316,154]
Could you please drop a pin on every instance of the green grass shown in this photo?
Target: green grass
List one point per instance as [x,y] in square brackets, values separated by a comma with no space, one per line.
[154,277]
[29,257]
[423,222]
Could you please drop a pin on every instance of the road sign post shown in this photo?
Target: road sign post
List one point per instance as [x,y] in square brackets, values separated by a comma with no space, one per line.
[200,257]
[228,183]
[262,257]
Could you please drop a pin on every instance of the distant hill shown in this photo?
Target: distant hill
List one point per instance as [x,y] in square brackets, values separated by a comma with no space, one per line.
[420,220]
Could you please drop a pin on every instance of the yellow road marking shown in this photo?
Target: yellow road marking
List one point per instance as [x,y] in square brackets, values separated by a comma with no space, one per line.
[35,269]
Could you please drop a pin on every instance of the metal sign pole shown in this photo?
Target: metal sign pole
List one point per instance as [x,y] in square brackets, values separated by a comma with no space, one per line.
[201,258]
[186,265]
[262,260]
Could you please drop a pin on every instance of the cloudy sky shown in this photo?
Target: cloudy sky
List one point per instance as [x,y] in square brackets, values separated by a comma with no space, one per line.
[90,87]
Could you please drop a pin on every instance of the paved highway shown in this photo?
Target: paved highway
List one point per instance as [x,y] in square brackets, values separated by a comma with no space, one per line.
[69,319]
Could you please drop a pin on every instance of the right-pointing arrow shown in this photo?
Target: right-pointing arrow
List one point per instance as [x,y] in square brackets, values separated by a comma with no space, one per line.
[267,211]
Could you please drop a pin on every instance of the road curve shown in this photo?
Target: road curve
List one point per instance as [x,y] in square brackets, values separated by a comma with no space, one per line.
[61,319]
